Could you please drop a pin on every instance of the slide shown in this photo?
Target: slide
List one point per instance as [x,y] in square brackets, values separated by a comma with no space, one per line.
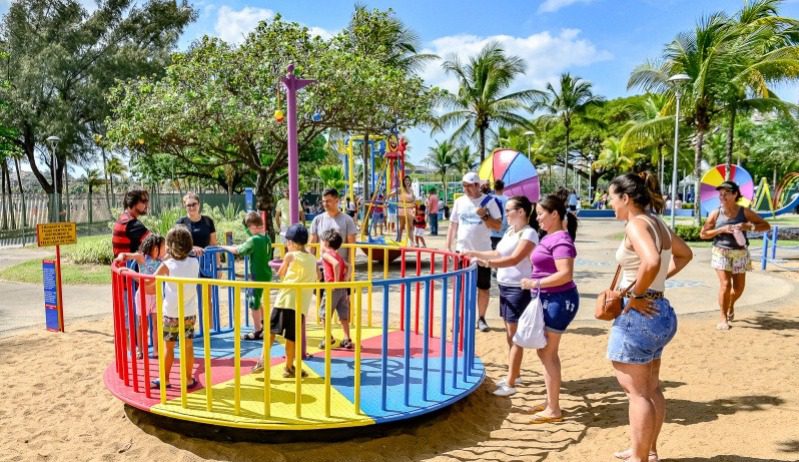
[790,208]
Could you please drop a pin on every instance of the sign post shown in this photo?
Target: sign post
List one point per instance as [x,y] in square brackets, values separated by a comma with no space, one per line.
[47,235]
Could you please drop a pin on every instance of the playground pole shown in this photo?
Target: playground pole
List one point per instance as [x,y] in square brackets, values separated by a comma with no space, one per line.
[293,84]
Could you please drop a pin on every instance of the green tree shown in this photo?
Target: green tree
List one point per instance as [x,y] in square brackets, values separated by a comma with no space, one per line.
[613,159]
[464,160]
[60,61]
[115,168]
[332,176]
[481,99]
[441,158]
[650,127]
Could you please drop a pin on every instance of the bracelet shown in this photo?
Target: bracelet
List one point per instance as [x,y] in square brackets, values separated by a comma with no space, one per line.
[635,296]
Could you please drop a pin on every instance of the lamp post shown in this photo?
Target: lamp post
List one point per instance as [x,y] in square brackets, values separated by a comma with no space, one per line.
[529,134]
[53,141]
[676,81]
[590,177]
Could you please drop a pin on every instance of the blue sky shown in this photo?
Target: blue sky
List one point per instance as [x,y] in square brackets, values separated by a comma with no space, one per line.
[598,40]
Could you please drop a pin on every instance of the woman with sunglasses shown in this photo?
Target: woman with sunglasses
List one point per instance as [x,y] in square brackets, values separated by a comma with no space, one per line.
[201,227]
[512,258]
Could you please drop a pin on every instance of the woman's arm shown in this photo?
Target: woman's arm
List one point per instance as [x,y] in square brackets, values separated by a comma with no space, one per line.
[563,275]
[522,251]
[755,222]
[681,254]
[481,254]
[643,243]
[707,231]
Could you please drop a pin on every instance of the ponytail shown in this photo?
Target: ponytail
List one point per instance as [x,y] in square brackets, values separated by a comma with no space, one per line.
[557,203]
[642,189]
[524,203]
[657,202]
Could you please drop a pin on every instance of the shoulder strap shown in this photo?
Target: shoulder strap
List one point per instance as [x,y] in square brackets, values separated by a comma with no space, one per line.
[615,278]
[654,228]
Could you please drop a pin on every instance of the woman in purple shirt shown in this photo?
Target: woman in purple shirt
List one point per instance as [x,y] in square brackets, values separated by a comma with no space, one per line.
[553,273]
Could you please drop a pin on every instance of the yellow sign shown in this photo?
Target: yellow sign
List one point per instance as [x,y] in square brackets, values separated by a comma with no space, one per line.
[50,234]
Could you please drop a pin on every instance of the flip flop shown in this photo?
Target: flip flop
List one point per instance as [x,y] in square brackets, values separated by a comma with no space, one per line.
[156,384]
[194,383]
[255,335]
[542,419]
[627,453]
[723,326]
[538,407]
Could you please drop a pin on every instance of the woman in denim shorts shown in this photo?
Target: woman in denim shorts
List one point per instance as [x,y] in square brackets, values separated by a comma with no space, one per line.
[649,254]
[553,271]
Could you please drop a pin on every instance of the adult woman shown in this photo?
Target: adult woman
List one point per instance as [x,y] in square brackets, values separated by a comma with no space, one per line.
[730,254]
[512,258]
[406,209]
[203,231]
[553,274]
[649,254]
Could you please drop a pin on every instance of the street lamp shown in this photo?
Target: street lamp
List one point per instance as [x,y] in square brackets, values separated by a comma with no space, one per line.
[590,177]
[529,134]
[53,142]
[676,81]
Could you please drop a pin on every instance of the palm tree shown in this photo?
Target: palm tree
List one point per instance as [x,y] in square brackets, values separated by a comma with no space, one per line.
[332,176]
[464,160]
[91,179]
[572,100]
[480,101]
[650,127]
[441,158]
[612,158]
[114,167]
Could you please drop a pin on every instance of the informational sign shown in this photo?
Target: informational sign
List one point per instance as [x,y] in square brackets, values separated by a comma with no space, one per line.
[249,200]
[50,234]
[52,311]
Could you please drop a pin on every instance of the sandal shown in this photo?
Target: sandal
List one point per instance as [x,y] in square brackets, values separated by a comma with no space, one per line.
[156,384]
[255,335]
[194,383]
[291,373]
[627,453]
[724,325]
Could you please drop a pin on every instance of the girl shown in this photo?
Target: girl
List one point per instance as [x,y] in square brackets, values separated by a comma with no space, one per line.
[152,253]
[512,257]
[179,244]
[420,223]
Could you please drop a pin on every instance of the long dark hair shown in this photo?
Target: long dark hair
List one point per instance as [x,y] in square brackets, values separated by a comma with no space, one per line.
[557,203]
[522,202]
[640,190]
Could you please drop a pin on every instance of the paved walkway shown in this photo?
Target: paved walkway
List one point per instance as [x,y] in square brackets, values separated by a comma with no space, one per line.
[692,291]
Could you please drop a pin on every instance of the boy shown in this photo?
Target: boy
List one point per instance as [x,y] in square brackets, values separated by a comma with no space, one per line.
[335,270]
[259,248]
[298,266]
[420,224]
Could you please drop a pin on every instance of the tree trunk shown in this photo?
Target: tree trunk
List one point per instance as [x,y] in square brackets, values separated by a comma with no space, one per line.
[105,177]
[3,167]
[21,195]
[482,145]
[730,135]
[90,203]
[367,151]
[66,191]
[566,159]
[700,135]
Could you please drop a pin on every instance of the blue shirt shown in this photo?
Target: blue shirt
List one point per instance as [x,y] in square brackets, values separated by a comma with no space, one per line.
[503,200]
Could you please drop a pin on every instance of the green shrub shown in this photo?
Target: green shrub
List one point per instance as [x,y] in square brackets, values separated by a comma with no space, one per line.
[689,233]
[163,222]
[95,250]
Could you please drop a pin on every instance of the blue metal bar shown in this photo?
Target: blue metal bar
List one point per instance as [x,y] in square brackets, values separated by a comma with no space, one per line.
[384,350]
[468,313]
[407,356]
[456,324]
[764,254]
[231,275]
[472,326]
[426,340]
[443,342]
[774,238]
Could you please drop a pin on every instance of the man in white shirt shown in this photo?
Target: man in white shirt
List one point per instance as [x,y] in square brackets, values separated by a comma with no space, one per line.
[474,215]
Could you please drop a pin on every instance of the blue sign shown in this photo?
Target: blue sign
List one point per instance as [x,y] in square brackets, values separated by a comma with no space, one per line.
[51,311]
[249,200]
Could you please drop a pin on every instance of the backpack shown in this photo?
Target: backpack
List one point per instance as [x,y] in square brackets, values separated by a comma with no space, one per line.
[487,199]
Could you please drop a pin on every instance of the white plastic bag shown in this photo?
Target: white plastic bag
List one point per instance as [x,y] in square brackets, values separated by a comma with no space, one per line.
[530,330]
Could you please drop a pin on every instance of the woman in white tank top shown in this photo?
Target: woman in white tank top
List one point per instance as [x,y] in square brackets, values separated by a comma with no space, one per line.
[649,254]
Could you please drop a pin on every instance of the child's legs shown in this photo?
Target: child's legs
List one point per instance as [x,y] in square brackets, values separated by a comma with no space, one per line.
[257,319]
[341,303]
[257,311]
[169,357]
[153,332]
[189,359]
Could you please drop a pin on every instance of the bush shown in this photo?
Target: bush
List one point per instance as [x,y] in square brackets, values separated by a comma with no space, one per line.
[95,250]
[162,223]
[689,233]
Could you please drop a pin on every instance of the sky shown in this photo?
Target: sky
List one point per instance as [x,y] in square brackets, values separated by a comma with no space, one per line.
[601,41]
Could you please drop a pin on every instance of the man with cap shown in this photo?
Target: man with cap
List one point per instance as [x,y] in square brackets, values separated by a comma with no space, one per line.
[727,226]
[474,216]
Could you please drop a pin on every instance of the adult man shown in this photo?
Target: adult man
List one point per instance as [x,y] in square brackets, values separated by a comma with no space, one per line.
[332,218]
[473,217]
[572,201]
[501,199]
[432,211]
[129,232]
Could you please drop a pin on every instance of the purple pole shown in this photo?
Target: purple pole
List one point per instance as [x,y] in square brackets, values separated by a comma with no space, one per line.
[293,84]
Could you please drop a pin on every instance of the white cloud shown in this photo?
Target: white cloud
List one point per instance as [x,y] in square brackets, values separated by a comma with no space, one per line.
[233,26]
[547,55]
[551,6]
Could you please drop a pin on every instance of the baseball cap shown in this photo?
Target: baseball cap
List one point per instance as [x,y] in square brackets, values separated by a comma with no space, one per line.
[471,178]
[297,233]
[729,186]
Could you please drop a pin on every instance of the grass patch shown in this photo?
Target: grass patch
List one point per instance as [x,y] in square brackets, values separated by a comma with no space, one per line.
[31,271]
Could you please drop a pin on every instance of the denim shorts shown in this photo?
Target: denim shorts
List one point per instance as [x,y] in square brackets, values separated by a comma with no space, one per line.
[560,308]
[636,339]
[512,302]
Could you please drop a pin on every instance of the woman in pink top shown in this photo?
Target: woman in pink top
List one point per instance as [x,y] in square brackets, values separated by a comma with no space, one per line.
[553,274]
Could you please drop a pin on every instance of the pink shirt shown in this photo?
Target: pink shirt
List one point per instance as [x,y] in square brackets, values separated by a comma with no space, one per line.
[432,204]
[552,247]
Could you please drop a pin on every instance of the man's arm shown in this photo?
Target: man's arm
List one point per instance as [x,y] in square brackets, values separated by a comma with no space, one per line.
[451,233]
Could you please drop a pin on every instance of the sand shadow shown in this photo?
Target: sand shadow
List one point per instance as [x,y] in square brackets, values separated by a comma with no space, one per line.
[767,321]
[589,331]
[789,446]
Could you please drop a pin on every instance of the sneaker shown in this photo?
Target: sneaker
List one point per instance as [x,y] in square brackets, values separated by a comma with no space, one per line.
[347,343]
[482,325]
[332,343]
[504,390]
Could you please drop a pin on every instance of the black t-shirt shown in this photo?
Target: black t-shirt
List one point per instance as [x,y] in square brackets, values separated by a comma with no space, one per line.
[200,230]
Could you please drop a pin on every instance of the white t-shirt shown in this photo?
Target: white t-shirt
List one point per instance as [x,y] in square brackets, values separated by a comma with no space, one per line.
[512,275]
[187,268]
[473,234]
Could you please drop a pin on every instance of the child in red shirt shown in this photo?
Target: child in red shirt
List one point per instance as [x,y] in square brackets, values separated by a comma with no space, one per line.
[419,224]
[335,270]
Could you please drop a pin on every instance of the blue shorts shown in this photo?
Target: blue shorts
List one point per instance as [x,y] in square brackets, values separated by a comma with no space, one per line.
[560,308]
[636,339]
[512,302]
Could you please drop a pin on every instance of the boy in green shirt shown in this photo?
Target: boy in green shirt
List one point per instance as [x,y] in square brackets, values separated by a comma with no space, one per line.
[259,248]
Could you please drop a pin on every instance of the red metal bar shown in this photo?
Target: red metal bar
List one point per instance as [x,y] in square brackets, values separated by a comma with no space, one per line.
[59,288]
[123,330]
[418,292]
[145,335]
[132,332]
[115,311]
[402,290]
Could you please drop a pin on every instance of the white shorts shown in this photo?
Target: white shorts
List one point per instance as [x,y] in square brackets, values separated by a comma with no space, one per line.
[149,300]
[418,231]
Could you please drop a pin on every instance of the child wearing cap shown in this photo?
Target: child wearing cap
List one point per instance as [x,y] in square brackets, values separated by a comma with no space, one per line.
[298,266]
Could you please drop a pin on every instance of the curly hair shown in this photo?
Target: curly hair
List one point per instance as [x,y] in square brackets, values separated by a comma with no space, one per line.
[179,242]
[151,242]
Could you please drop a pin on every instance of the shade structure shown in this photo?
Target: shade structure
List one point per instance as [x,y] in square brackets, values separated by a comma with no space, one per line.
[515,170]
[708,195]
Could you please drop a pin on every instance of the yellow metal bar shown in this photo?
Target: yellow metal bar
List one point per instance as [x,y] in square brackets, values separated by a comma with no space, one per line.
[207,347]
[265,285]
[318,305]
[385,263]
[357,316]
[369,264]
[237,350]
[297,353]
[369,278]
[328,349]
[182,339]
[159,322]
[369,305]
[352,263]
[267,358]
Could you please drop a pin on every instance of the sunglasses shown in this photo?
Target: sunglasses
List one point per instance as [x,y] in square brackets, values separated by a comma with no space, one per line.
[193,204]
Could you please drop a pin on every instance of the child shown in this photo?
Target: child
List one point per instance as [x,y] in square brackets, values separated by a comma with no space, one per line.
[378,215]
[149,258]
[259,248]
[179,244]
[298,266]
[419,223]
[335,270]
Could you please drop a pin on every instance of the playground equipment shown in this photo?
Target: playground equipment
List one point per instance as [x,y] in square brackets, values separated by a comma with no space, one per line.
[785,199]
[708,195]
[515,170]
[427,363]
[347,151]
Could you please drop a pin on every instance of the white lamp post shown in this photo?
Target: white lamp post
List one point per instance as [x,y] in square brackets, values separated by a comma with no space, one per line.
[53,142]
[590,177]
[529,134]
[676,81]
